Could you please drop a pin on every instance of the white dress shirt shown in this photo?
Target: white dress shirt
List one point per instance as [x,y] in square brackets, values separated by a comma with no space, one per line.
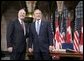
[36,25]
[22,22]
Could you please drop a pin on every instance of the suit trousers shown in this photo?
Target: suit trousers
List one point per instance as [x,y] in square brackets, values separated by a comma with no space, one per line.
[41,56]
[17,56]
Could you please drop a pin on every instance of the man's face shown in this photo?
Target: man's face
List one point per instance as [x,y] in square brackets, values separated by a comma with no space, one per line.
[37,15]
[21,14]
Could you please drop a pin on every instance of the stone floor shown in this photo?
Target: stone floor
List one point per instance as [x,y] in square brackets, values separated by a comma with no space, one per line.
[6,57]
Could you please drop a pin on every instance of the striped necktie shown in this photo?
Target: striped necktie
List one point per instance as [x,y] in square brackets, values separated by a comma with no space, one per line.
[38,27]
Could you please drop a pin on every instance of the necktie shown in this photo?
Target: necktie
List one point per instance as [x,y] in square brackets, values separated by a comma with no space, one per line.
[38,26]
[23,26]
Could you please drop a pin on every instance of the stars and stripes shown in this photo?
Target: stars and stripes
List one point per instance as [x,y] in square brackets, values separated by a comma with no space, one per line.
[76,41]
[76,35]
[63,30]
[64,33]
[81,37]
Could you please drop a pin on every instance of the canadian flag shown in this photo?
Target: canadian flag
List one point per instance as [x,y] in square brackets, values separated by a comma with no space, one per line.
[68,32]
[57,36]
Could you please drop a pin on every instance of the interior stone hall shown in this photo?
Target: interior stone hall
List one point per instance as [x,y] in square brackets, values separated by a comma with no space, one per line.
[64,10]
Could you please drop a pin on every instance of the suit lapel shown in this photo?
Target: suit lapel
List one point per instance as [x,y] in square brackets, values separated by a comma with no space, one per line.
[19,25]
[41,27]
[34,27]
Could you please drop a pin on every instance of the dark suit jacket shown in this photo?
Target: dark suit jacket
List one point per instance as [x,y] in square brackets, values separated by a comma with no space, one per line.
[15,36]
[43,40]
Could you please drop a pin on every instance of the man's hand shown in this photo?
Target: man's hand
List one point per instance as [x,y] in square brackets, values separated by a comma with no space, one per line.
[51,48]
[10,49]
[30,50]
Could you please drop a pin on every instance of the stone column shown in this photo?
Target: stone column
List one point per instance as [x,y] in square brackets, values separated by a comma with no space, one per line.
[9,15]
[3,35]
[60,6]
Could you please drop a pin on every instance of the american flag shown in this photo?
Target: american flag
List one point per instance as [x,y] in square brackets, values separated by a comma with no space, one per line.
[63,29]
[68,31]
[57,35]
[76,34]
[81,38]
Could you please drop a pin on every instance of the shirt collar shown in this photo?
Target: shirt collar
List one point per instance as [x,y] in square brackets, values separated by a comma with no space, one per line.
[20,20]
[39,21]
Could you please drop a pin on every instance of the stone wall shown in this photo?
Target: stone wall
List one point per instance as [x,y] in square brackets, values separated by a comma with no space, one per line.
[6,17]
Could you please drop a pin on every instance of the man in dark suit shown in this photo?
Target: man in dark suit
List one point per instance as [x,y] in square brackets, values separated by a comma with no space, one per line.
[40,37]
[16,37]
